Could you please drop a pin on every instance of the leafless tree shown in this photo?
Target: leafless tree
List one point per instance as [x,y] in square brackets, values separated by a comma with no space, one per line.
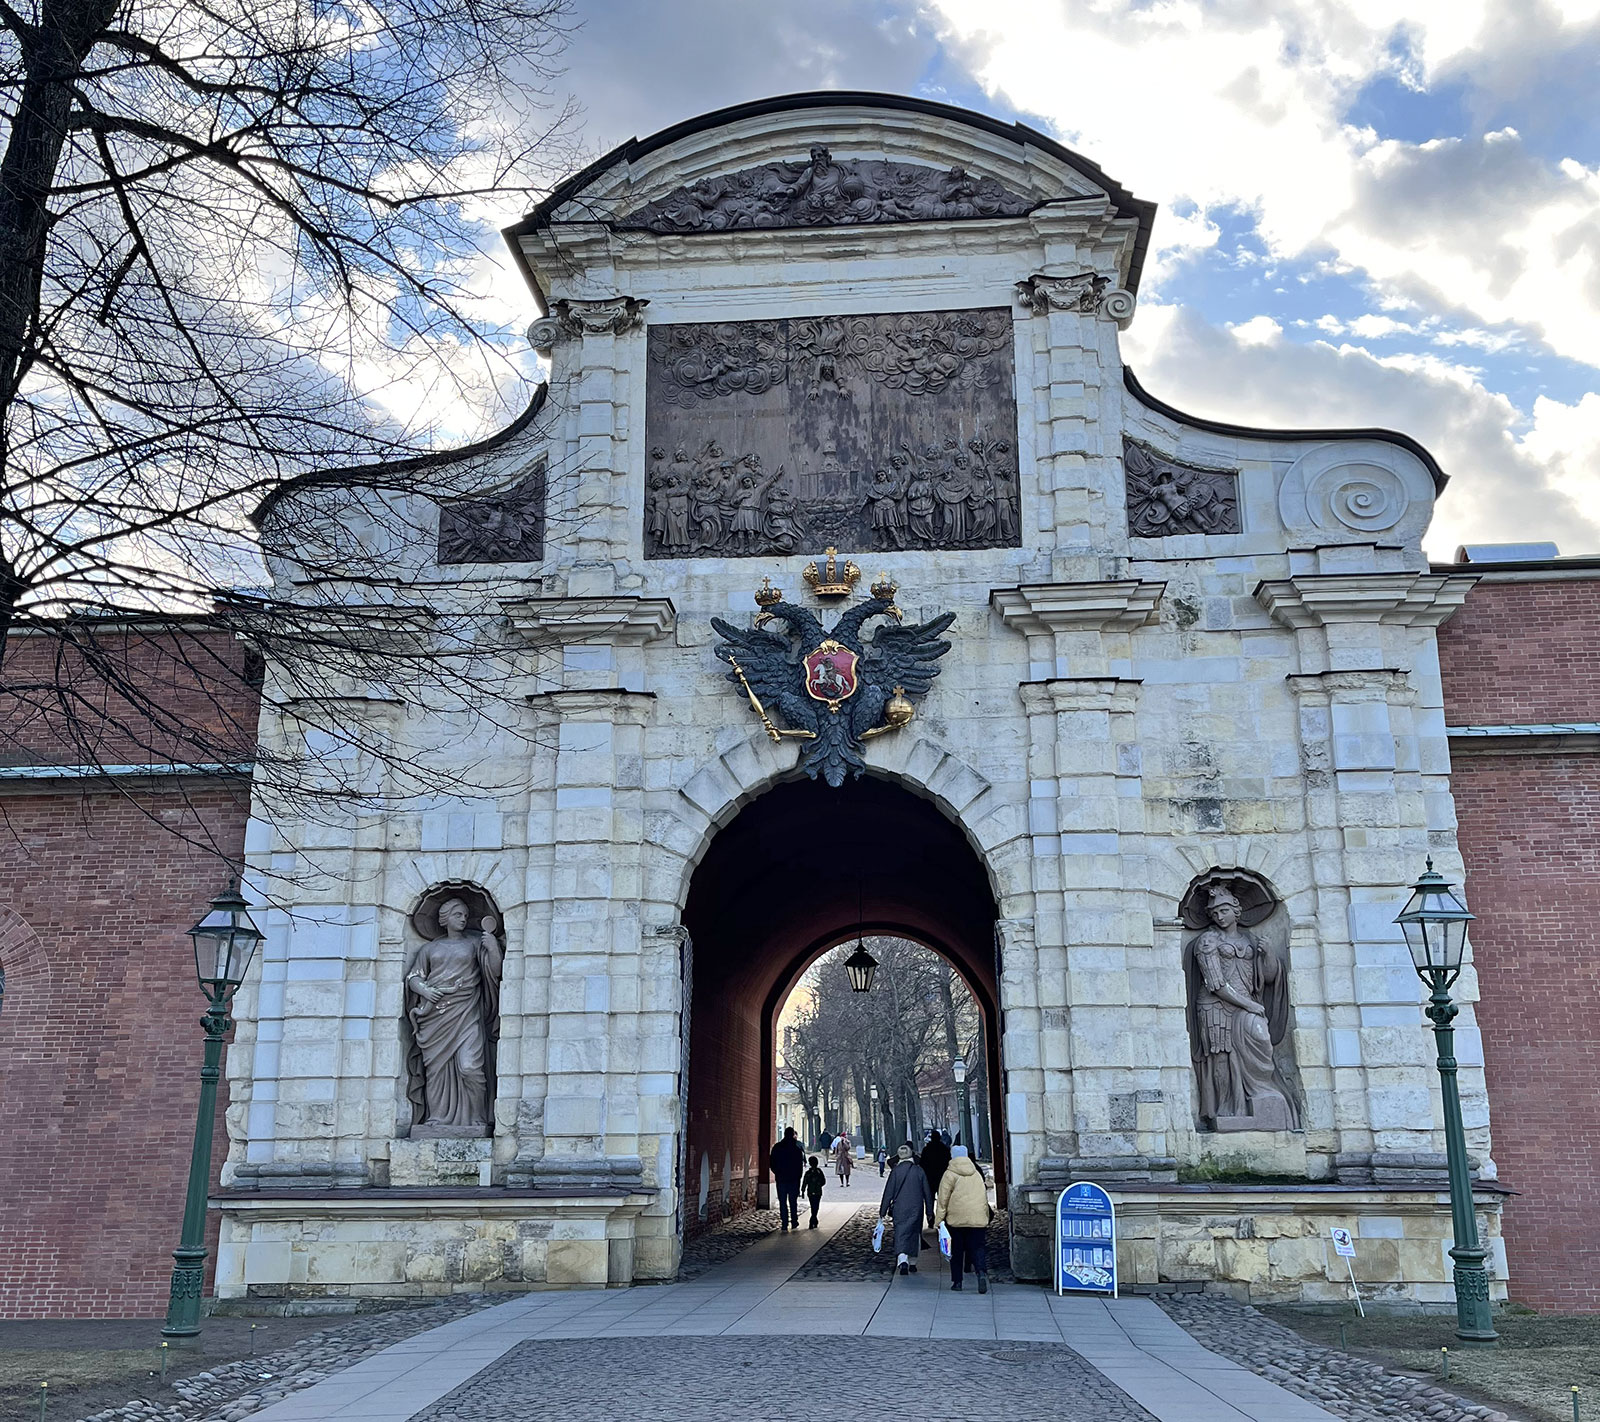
[896,1037]
[242,242]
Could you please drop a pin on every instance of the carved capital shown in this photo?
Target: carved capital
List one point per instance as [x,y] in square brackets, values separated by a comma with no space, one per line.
[1080,292]
[1079,693]
[608,316]
[1038,608]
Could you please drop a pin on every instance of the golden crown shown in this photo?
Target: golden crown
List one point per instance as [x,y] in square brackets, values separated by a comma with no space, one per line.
[832,580]
[766,594]
[885,587]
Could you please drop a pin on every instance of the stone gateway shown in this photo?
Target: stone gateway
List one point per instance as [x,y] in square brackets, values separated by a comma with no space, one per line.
[1137,720]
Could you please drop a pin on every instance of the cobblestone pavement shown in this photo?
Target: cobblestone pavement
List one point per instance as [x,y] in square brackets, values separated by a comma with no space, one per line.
[1348,1387]
[722,1242]
[848,1256]
[234,1390]
[767,1379]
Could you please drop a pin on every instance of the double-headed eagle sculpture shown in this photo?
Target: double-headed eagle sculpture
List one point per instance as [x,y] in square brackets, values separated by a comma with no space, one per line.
[834,688]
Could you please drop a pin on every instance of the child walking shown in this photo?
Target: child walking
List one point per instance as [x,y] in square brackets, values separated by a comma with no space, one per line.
[813,1184]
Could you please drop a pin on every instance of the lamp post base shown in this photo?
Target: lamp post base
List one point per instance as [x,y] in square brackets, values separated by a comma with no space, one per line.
[188,1284]
[1474,1314]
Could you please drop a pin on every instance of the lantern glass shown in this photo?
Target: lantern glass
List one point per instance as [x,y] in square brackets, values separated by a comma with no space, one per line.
[224,942]
[861,967]
[959,1066]
[1434,922]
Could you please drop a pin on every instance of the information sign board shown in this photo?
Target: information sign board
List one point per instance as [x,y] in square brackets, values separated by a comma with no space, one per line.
[1086,1240]
[1343,1245]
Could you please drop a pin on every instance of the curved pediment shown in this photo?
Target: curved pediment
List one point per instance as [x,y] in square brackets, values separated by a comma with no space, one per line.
[831,159]
[824,191]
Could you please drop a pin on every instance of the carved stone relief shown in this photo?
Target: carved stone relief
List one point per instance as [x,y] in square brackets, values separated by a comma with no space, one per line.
[452,1006]
[824,191]
[1086,293]
[502,528]
[1238,998]
[888,432]
[1167,496]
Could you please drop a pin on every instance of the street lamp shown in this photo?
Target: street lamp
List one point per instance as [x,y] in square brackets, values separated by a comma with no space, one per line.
[224,942]
[861,967]
[1435,923]
[964,1111]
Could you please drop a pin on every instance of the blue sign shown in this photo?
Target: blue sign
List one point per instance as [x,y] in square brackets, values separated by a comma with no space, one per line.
[1086,1240]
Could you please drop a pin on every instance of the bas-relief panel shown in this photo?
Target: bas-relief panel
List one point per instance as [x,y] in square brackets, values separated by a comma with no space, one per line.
[886,432]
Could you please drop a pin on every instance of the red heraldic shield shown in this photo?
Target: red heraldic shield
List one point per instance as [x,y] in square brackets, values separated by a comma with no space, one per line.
[831,673]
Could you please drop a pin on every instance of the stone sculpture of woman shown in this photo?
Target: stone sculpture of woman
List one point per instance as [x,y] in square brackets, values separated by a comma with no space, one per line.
[1238,1011]
[453,1003]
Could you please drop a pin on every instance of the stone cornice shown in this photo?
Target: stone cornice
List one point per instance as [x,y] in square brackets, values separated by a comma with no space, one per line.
[622,621]
[1400,599]
[1038,608]
[616,704]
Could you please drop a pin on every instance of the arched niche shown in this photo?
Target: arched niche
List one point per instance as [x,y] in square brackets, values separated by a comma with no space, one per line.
[451,1013]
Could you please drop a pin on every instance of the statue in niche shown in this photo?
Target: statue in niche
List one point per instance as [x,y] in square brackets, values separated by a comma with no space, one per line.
[1238,995]
[452,1001]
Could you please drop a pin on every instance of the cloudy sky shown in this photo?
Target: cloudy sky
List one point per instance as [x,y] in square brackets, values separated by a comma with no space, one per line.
[1372,213]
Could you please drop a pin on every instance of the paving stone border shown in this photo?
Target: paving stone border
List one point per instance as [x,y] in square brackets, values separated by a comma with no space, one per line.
[669,1379]
[1344,1385]
[847,1258]
[232,1391]
[723,1242]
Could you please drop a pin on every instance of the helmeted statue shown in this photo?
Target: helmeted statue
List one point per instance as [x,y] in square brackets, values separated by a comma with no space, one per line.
[1238,1011]
[453,1004]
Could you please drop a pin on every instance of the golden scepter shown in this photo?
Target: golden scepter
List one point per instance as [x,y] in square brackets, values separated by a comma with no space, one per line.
[761,710]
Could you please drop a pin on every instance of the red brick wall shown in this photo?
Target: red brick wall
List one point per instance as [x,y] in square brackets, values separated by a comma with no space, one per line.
[1530,835]
[100,1043]
[100,1040]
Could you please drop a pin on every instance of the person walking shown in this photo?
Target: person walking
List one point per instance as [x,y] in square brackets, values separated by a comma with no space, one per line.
[788,1164]
[962,1206]
[883,1161]
[935,1159]
[813,1181]
[906,1197]
[843,1159]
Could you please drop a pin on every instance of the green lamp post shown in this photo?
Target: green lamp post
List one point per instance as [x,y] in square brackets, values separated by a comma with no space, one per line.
[224,942]
[1435,924]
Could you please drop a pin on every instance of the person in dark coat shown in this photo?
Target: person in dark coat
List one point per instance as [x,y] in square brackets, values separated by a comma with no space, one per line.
[906,1199]
[813,1182]
[788,1164]
[935,1161]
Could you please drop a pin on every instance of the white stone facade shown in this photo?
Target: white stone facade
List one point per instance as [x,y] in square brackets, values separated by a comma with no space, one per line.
[1118,716]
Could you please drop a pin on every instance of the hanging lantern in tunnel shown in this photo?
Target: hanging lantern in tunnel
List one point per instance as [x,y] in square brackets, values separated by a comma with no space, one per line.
[861,967]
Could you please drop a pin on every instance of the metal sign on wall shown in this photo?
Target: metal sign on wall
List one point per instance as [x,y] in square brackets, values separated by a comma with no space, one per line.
[872,433]
[1086,1240]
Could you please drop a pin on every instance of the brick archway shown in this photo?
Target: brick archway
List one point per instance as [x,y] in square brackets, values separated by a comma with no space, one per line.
[795,872]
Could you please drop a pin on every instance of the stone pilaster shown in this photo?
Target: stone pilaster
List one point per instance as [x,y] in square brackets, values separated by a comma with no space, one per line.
[610,1059]
[1377,804]
[1086,1035]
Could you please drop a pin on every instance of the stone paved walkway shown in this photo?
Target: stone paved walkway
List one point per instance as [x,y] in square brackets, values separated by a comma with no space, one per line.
[1126,1357]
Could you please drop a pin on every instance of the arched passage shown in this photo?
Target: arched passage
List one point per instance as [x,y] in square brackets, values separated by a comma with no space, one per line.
[794,873]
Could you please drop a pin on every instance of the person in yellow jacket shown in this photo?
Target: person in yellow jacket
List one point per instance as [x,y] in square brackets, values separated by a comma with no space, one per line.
[962,1206]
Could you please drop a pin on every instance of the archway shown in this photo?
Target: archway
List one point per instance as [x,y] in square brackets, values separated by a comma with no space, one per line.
[796,872]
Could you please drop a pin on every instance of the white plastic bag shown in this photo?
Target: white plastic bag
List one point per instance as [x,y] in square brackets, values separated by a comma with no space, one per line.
[944,1239]
[877,1238]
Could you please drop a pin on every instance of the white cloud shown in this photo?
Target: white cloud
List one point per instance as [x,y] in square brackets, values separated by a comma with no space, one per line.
[1503,488]
[1242,105]
[1257,331]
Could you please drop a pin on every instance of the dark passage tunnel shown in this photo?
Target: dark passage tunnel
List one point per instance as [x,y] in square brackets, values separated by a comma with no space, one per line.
[794,873]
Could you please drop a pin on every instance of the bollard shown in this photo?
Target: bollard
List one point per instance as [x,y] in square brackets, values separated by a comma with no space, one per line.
[1574,1405]
[1344,1346]
[253,1328]
[44,1397]
[164,1346]
[1444,1362]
